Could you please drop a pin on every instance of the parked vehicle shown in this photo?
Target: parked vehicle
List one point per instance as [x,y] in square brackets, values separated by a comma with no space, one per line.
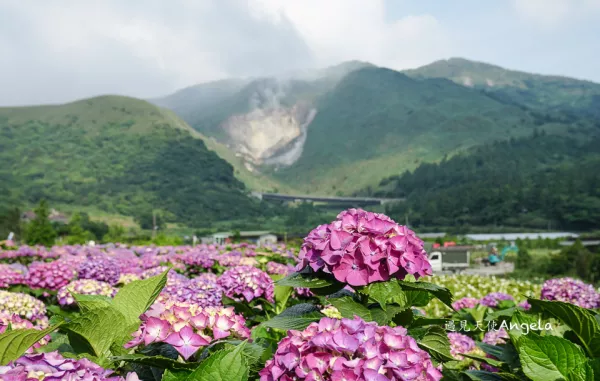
[451,258]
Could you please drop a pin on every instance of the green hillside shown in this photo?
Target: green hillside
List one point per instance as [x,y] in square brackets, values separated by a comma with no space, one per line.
[571,98]
[538,182]
[117,154]
[378,122]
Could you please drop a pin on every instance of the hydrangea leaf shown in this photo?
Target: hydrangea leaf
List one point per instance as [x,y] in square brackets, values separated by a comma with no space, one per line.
[384,317]
[384,292]
[136,297]
[583,372]
[349,308]
[154,361]
[13,344]
[487,360]
[309,280]
[418,298]
[281,294]
[548,357]
[442,293]
[581,321]
[479,375]
[175,375]
[224,365]
[99,328]
[90,302]
[298,317]
[435,341]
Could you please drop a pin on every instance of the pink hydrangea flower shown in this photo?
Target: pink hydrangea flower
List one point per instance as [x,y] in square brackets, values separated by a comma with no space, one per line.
[188,326]
[50,275]
[349,349]
[361,247]
[465,303]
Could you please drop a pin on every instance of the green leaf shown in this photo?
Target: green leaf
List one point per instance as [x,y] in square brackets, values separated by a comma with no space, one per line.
[384,317]
[435,341]
[442,293]
[349,308]
[384,292]
[154,361]
[136,297]
[487,360]
[548,357]
[418,298]
[298,317]
[13,344]
[583,372]
[99,328]
[90,302]
[282,294]
[581,321]
[319,283]
[176,375]
[480,375]
[505,353]
[224,365]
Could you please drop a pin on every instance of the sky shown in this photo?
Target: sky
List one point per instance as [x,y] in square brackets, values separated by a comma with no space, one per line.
[56,51]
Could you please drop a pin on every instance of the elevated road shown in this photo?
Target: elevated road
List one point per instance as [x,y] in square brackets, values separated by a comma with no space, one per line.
[327,199]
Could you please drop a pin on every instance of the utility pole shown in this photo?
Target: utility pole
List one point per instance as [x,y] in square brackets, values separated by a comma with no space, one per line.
[153,224]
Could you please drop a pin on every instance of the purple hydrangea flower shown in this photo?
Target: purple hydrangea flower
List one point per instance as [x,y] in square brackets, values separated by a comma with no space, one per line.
[100,267]
[361,247]
[460,343]
[351,350]
[465,303]
[10,276]
[572,291]
[53,366]
[50,275]
[275,268]
[84,287]
[247,282]
[202,291]
[492,299]
[496,337]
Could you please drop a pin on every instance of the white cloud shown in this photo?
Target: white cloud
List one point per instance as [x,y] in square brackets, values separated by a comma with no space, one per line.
[553,13]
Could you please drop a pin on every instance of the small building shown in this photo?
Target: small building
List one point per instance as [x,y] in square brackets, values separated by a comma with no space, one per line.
[258,237]
[53,216]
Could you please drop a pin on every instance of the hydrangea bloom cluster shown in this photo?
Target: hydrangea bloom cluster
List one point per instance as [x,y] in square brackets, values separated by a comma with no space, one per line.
[9,276]
[247,282]
[571,291]
[351,350]
[202,291]
[275,268]
[100,267]
[198,259]
[188,327]
[361,247]
[496,337]
[231,260]
[465,303]
[460,343]
[128,278]
[50,275]
[84,287]
[492,299]
[16,322]
[24,305]
[53,366]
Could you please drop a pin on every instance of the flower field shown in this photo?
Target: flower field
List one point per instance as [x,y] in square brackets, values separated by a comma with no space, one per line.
[358,301]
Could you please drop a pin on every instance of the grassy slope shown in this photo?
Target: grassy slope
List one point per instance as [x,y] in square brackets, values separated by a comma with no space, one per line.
[119,155]
[378,122]
[543,92]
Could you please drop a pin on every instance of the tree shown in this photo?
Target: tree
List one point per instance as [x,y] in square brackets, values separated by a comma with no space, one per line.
[146,220]
[77,234]
[10,221]
[40,231]
[523,259]
[116,233]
